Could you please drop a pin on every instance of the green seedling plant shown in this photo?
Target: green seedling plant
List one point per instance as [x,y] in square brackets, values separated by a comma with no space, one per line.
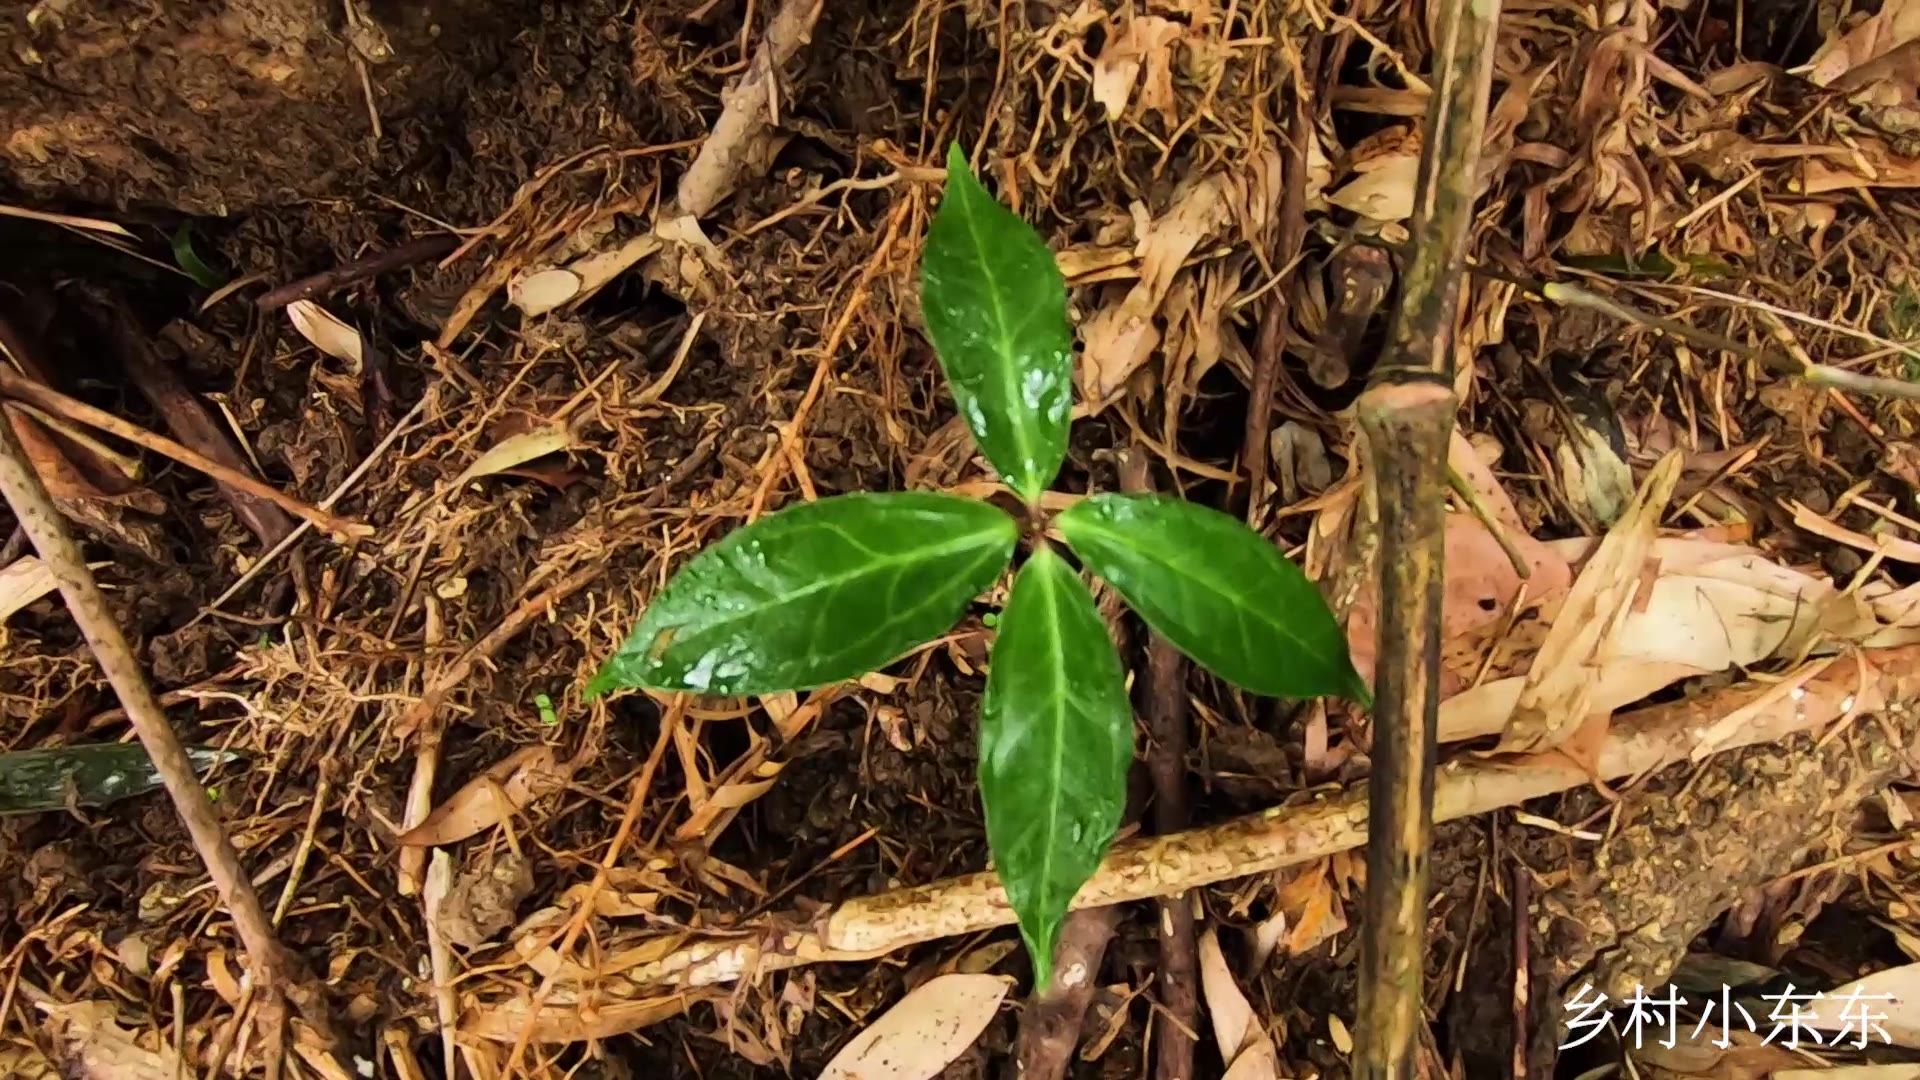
[826,591]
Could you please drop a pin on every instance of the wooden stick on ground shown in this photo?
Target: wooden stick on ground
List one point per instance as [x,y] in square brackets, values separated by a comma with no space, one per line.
[751,104]
[276,971]
[1810,699]
[1407,413]
[371,265]
[21,388]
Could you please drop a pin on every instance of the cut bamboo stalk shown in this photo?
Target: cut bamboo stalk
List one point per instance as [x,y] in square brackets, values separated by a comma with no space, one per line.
[1407,415]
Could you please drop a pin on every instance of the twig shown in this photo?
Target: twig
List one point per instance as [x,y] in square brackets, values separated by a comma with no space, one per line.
[1272,338]
[1166,709]
[1050,1024]
[1800,367]
[1407,413]
[277,971]
[1783,363]
[1522,968]
[1484,514]
[338,493]
[747,110]
[16,386]
[1640,741]
[187,417]
[367,266]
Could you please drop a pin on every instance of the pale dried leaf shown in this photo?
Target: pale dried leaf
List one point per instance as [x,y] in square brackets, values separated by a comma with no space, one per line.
[522,777]
[25,580]
[1236,1030]
[1889,999]
[516,450]
[1559,689]
[542,291]
[327,333]
[1897,22]
[1384,192]
[1594,478]
[1120,337]
[561,1022]
[1145,42]
[96,1047]
[595,270]
[922,1034]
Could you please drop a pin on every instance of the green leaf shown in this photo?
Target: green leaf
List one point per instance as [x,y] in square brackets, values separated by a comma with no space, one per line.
[1056,738]
[33,781]
[1219,591]
[996,310]
[190,261]
[817,593]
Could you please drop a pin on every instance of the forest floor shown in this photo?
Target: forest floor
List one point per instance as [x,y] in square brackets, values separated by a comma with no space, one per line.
[549,357]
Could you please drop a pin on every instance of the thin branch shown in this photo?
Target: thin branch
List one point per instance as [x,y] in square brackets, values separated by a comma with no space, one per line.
[1407,414]
[189,420]
[21,388]
[1640,741]
[750,106]
[276,970]
[367,266]
[1165,690]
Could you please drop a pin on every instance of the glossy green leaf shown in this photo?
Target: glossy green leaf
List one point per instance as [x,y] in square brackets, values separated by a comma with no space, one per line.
[817,593]
[35,781]
[996,310]
[1056,738]
[1222,593]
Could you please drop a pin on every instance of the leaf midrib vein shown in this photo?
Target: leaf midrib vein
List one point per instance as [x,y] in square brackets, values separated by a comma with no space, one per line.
[872,566]
[1003,330]
[1119,540]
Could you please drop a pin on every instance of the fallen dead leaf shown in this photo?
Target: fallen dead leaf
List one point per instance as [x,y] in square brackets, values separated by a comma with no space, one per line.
[522,777]
[96,1047]
[1559,689]
[516,450]
[922,1034]
[1889,999]
[327,333]
[23,581]
[542,291]
[1897,22]
[1244,1043]
[1122,336]
[512,1020]
[1145,43]
[1384,192]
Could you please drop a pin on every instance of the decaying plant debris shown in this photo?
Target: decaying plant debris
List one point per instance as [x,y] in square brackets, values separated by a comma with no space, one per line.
[493,355]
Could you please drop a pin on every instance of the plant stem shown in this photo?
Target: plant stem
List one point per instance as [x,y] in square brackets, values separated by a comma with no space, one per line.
[1165,693]
[276,971]
[1407,414]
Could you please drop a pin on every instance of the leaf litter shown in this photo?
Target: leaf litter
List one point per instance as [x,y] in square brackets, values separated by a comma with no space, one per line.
[1637,147]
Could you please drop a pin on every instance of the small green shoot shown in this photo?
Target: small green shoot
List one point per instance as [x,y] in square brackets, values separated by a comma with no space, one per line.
[190,261]
[826,591]
[545,705]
